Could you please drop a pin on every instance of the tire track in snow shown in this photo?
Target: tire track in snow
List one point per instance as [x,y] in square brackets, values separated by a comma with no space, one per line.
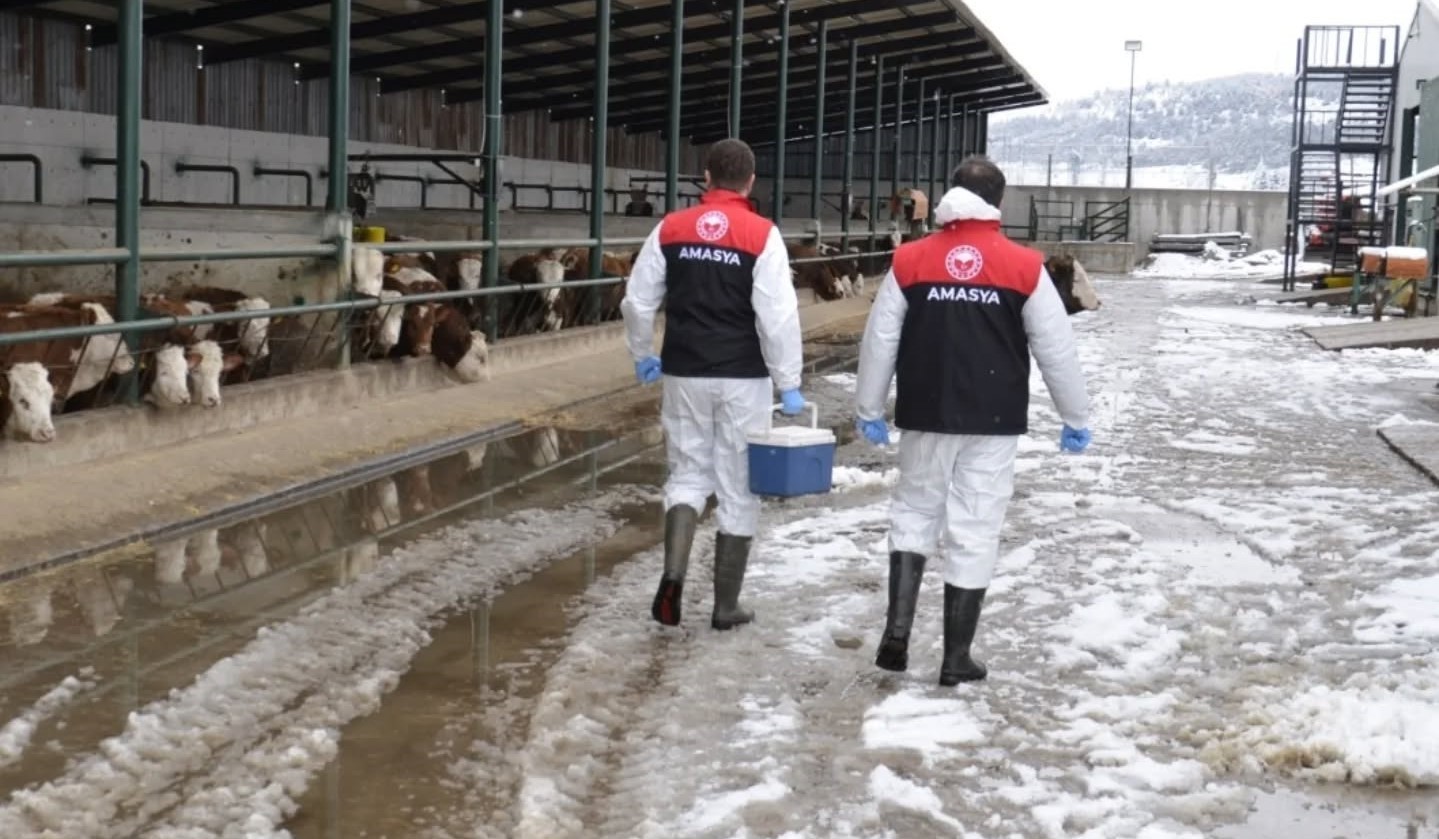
[226,755]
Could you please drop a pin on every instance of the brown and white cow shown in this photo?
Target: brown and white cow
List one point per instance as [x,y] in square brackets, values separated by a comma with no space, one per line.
[460,348]
[70,366]
[577,267]
[178,365]
[251,337]
[528,312]
[819,276]
[1073,284]
[417,323]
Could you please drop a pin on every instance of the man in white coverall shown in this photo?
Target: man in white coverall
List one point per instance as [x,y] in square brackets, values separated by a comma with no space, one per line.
[956,319]
[731,326]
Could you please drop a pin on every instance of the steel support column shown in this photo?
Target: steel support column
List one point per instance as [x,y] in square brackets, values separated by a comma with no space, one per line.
[934,156]
[846,201]
[127,173]
[777,213]
[898,130]
[736,64]
[494,54]
[672,138]
[816,186]
[918,137]
[964,149]
[337,198]
[598,156]
[948,144]
[874,136]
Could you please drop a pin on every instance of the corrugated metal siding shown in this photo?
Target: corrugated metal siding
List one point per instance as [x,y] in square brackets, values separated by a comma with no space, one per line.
[44,63]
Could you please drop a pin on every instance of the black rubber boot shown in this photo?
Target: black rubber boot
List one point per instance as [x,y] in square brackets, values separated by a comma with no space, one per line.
[961,618]
[905,572]
[731,557]
[680,523]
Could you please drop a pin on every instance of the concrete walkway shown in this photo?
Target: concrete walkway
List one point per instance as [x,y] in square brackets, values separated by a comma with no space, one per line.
[91,505]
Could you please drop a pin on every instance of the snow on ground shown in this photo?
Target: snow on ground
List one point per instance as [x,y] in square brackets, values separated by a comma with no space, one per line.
[15,736]
[1260,265]
[1235,587]
[1163,629]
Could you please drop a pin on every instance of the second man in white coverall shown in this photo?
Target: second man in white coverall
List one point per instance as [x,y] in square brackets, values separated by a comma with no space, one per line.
[732,335]
[956,320]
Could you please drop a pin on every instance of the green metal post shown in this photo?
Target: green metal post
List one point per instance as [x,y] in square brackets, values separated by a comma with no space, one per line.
[933,156]
[847,191]
[898,129]
[780,145]
[964,149]
[598,156]
[127,173]
[816,186]
[874,136]
[494,48]
[337,199]
[672,139]
[918,137]
[948,144]
[736,64]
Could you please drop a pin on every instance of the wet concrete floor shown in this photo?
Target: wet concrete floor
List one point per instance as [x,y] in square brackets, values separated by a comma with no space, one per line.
[134,626]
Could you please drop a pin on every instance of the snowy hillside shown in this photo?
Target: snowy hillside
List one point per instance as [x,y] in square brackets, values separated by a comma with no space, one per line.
[1229,133]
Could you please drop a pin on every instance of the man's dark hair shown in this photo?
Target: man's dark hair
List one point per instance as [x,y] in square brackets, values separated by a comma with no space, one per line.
[730,164]
[979,175]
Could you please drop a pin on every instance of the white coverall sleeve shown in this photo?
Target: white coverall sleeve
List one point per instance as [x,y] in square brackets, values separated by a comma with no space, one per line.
[644,292]
[776,311]
[1051,340]
[879,350]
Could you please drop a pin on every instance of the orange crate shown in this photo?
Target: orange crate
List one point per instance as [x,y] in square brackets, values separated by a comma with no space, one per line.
[1371,260]
[1406,263]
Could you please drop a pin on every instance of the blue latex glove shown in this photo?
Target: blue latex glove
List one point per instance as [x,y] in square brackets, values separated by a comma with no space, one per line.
[791,402]
[647,370]
[1074,440]
[875,431]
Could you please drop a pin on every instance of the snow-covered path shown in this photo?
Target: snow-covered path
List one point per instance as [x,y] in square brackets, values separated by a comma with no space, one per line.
[1227,591]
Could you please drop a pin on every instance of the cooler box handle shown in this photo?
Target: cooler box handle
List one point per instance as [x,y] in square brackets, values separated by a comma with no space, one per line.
[813,414]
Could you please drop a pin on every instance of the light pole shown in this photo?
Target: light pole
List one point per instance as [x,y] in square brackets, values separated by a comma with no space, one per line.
[1133,47]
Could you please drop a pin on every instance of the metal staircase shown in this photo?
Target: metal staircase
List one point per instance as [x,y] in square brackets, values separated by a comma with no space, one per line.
[1344,88]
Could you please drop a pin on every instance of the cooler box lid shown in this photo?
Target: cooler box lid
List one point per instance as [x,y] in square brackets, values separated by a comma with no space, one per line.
[794,436]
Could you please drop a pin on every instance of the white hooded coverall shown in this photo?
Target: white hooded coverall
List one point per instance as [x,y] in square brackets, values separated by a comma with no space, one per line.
[955,488]
[706,420]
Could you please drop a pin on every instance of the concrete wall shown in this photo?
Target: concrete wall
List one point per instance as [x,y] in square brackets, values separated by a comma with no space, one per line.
[1260,214]
[1096,257]
[62,138]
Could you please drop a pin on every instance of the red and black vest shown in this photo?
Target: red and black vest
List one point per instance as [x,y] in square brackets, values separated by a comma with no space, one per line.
[963,365]
[710,253]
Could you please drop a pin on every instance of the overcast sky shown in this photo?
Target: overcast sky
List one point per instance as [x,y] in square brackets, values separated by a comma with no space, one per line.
[1075,47]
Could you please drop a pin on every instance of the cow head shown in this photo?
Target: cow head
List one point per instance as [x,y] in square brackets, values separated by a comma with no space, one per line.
[386,320]
[475,365]
[102,356]
[254,333]
[249,540]
[28,396]
[550,270]
[170,562]
[170,388]
[1073,284]
[469,272]
[206,362]
[203,551]
[418,324]
[368,268]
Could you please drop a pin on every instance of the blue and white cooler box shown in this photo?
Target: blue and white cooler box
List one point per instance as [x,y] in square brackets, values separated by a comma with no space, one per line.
[792,460]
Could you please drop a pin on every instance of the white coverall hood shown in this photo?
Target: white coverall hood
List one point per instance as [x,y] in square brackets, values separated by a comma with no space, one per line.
[959,204]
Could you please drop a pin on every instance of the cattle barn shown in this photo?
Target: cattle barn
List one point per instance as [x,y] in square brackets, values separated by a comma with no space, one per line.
[249,189]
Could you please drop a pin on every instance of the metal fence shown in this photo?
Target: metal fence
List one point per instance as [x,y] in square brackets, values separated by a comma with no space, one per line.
[1155,166]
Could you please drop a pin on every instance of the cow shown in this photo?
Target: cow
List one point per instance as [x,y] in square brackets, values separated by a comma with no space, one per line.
[528,312]
[460,348]
[176,364]
[577,267]
[1073,284]
[417,323]
[251,337]
[70,366]
[819,276]
[367,270]
[379,334]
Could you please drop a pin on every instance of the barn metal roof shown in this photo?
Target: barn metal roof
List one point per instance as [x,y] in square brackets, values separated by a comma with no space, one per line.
[549,52]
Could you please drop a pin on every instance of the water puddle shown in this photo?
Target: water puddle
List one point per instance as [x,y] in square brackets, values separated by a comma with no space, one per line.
[1337,813]
[128,629]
